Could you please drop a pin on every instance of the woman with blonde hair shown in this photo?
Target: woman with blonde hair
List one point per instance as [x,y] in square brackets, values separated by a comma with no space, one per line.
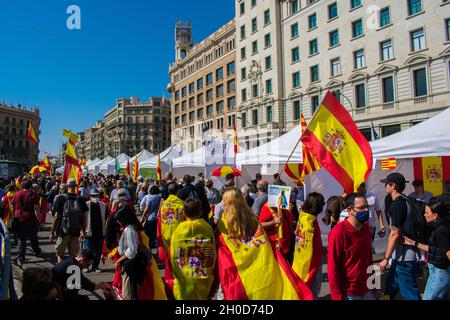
[250,268]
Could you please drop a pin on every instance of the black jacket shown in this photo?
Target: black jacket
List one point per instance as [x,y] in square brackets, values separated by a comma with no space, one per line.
[439,244]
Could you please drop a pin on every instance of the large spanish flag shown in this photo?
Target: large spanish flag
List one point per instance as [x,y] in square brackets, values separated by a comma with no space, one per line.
[72,167]
[255,270]
[170,215]
[434,171]
[335,141]
[308,252]
[31,133]
[190,267]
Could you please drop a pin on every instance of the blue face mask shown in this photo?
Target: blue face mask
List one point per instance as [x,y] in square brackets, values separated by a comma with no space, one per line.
[363,216]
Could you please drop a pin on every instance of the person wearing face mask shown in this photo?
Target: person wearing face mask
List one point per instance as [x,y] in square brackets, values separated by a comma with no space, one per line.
[95,230]
[349,252]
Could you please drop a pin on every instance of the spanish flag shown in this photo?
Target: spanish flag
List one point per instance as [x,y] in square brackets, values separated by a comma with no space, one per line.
[46,164]
[19,183]
[72,168]
[31,133]
[310,163]
[255,270]
[170,215]
[128,169]
[135,169]
[190,267]
[158,168]
[236,144]
[434,171]
[338,146]
[308,252]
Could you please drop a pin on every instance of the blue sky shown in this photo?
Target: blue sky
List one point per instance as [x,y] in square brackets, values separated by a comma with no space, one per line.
[123,49]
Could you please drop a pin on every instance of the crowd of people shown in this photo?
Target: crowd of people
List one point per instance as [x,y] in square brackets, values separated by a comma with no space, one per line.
[113,217]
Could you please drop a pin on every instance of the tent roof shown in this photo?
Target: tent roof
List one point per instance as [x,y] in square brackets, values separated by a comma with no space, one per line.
[196,159]
[142,156]
[104,161]
[430,138]
[276,151]
[167,156]
[122,158]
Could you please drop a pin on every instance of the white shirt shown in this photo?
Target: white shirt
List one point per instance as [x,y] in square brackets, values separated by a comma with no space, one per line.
[129,243]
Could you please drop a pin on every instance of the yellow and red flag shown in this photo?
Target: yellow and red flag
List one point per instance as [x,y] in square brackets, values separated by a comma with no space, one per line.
[294,171]
[31,133]
[334,140]
[128,169]
[19,183]
[170,215]
[389,164]
[72,169]
[310,164]
[236,143]
[225,170]
[83,162]
[308,252]
[38,169]
[136,169]
[434,171]
[158,168]
[255,269]
[190,267]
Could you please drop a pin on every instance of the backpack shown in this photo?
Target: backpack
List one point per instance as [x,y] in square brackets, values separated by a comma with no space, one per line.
[71,217]
[193,194]
[416,224]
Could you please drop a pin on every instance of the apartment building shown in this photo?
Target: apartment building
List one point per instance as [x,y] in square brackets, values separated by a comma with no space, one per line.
[203,86]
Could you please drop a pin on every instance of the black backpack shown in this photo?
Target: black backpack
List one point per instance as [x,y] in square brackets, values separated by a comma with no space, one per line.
[71,217]
[416,225]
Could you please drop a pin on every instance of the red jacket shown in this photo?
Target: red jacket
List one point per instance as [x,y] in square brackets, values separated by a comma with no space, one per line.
[267,215]
[349,256]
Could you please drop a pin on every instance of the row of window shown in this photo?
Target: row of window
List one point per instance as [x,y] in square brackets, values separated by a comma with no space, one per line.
[20,143]
[255,117]
[256,90]
[199,84]
[231,105]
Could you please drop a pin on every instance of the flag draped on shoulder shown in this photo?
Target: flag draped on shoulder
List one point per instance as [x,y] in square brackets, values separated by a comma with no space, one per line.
[334,140]
[158,168]
[255,270]
[308,252]
[31,133]
[171,214]
[190,267]
[72,169]
[135,169]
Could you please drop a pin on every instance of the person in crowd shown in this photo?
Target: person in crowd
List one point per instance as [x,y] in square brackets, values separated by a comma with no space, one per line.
[335,205]
[188,190]
[258,177]
[113,194]
[131,187]
[246,192]
[308,252]
[74,265]
[38,284]
[171,214]
[192,281]
[69,223]
[349,252]
[445,196]
[7,202]
[144,191]
[42,205]
[387,205]
[84,190]
[202,196]
[139,185]
[262,198]
[277,180]
[97,215]
[437,214]
[419,192]
[53,193]
[212,193]
[150,214]
[375,211]
[27,213]
[229,183]
[402,274]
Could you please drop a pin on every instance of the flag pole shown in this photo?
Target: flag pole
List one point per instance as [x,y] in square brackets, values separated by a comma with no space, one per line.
[290,156]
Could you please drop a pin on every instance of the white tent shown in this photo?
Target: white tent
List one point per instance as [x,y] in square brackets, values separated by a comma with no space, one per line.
[97,167]
[166,157]
[90,164]
[109,167]
[142,156]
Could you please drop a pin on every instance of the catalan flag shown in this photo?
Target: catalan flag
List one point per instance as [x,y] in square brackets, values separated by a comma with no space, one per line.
[236,143]
[31,133]
[83,163]
[135,169]
[310,163]
[128,169]
[72,169]
[294,171]
[255,269]
[190,267]
[389,164]
[158,168]
[338,146]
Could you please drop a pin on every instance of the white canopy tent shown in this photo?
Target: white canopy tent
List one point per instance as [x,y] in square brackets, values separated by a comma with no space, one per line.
[109,167]
[90,165]
[166,157]
[142,156]
[97,167]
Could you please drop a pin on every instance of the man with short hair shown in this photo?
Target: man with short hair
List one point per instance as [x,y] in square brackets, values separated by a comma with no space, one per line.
[64,271]
[26,209]
[188,190]
[229,183]
[70,222]
[119,185]
[262,198]
[258,177]
[445,197]
[402,275]
[350,254]
[419,192]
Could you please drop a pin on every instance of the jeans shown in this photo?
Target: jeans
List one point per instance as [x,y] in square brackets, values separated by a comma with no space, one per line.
[150,231]
[368,296]
[96,245]
[438,285]
[23,232]
[402,276]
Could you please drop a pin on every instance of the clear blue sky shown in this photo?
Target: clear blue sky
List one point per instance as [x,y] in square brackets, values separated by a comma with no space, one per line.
[123,49]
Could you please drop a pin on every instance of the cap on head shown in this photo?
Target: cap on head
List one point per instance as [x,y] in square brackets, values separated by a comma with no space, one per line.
[395,177]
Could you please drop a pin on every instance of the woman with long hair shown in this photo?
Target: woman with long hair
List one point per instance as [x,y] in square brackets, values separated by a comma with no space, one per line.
[250,268]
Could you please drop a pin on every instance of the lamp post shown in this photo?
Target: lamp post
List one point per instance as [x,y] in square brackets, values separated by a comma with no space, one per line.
[348,100]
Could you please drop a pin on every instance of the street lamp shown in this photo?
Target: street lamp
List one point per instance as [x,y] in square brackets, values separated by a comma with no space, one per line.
[348,100]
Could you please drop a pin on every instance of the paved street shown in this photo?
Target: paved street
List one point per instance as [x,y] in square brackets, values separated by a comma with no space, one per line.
[48,260]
